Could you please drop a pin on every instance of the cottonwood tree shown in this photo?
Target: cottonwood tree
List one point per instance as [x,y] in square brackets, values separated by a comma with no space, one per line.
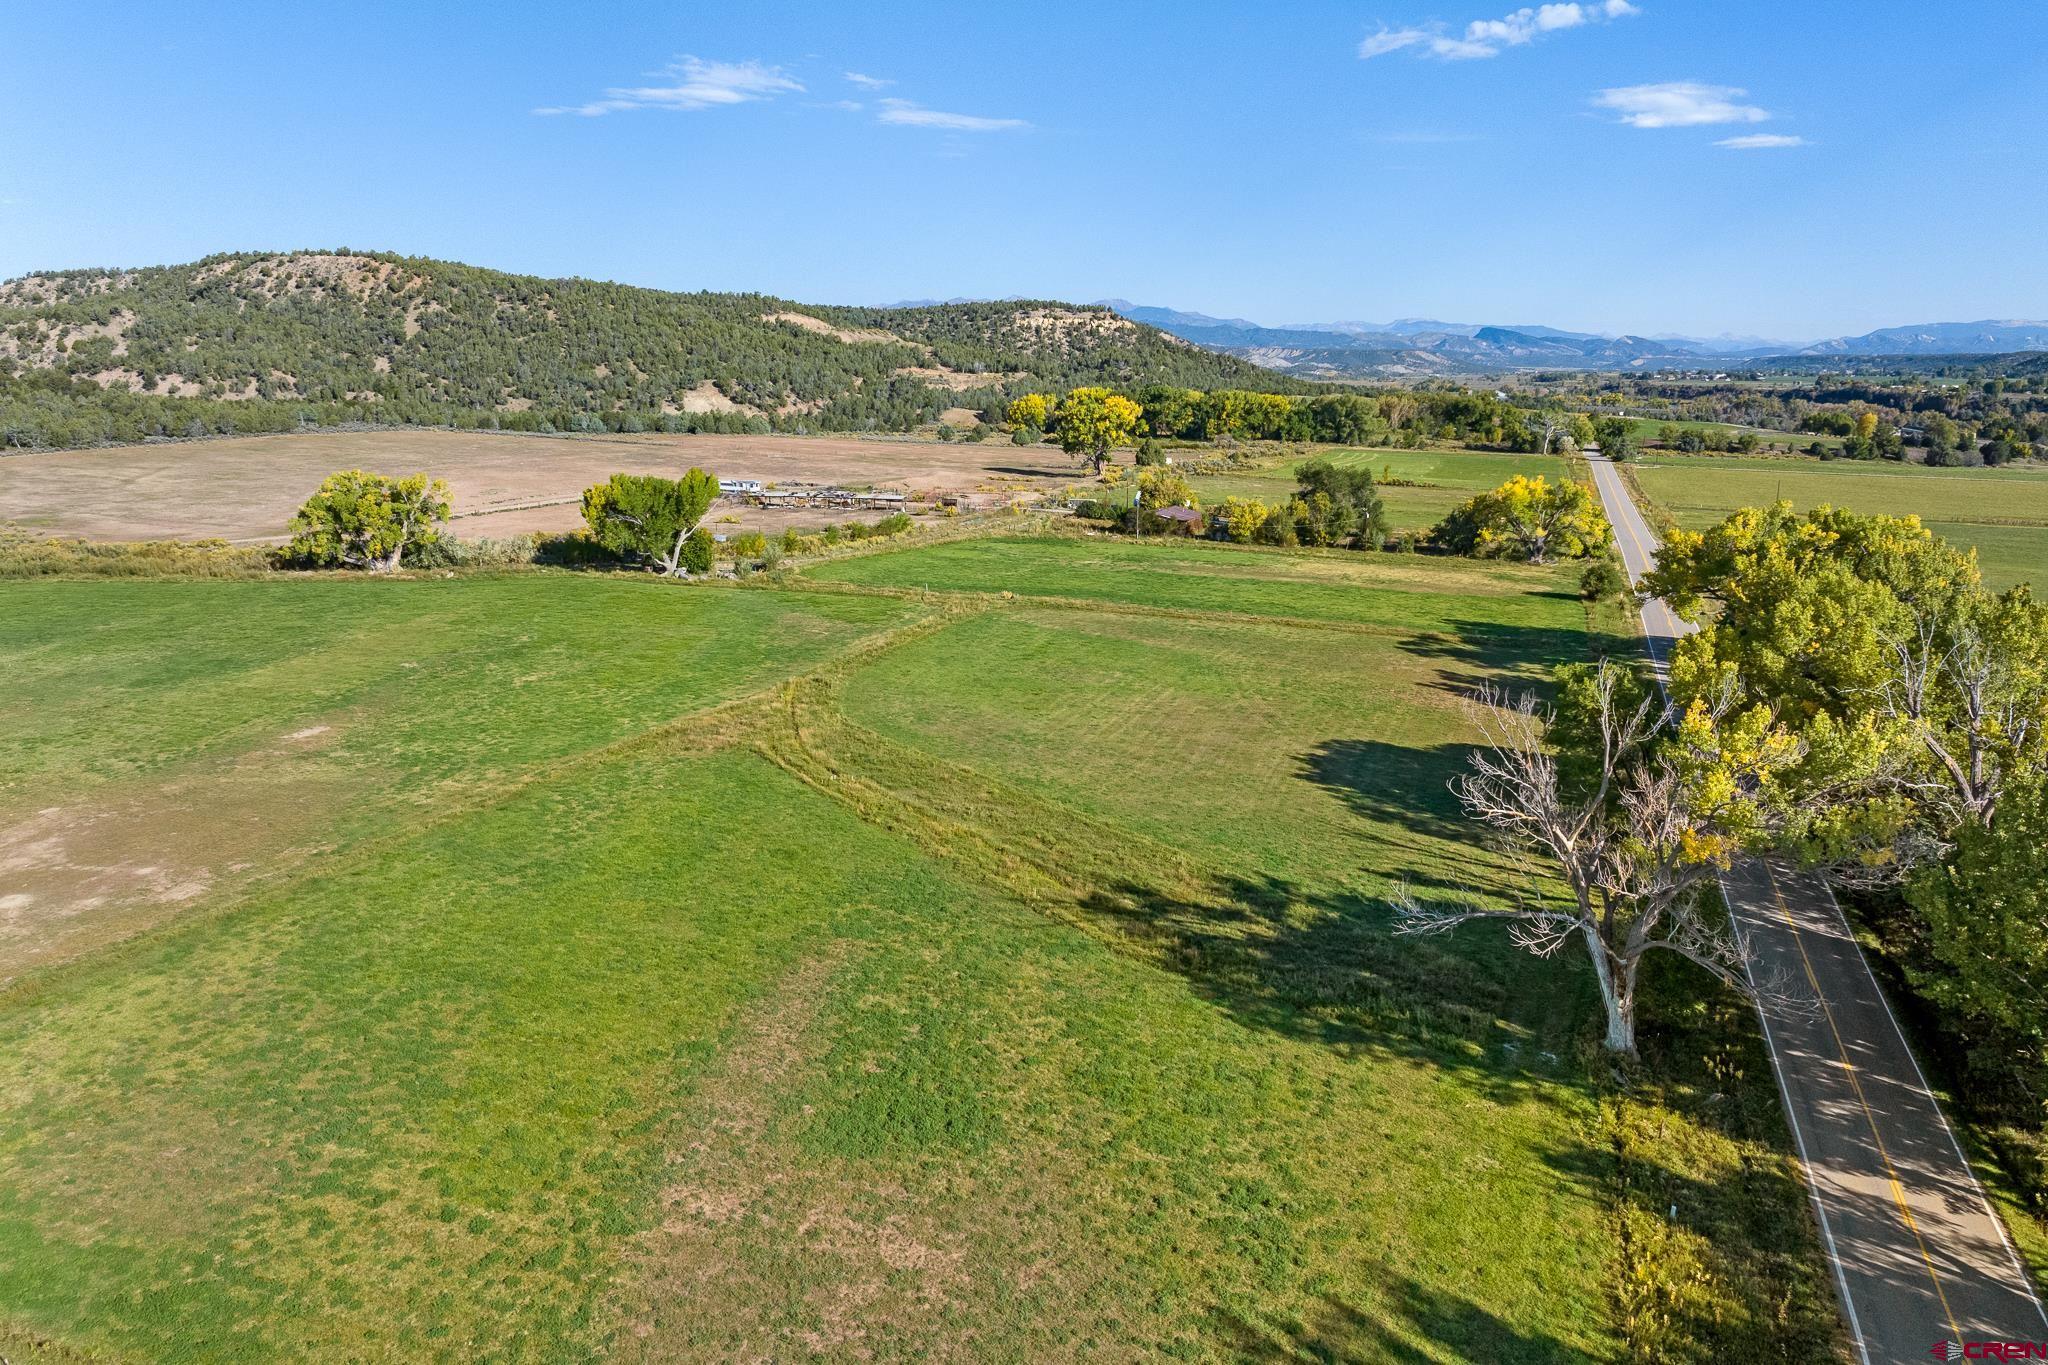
[649,517]
[1913,687]
[359,520]
[1528,518]
[1985,906]
[1639,830]
[1616,438]
[1094,421]
[1030,412]
[1350,503]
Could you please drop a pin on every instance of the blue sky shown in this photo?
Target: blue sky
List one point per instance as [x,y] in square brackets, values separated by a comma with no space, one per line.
[1564,164]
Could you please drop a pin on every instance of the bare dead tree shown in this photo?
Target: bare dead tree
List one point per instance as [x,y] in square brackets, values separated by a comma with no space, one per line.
[1634,848]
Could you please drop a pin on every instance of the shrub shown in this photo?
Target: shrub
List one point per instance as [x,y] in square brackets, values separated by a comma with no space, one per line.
[1241,518]
[699,550]
[26,556]
[1278,528]
[485,552]
[1101,509]
[747,545]
[572,549]
[1602,579]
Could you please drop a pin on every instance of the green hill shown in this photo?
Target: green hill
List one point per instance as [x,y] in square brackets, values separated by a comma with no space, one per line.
[253,342]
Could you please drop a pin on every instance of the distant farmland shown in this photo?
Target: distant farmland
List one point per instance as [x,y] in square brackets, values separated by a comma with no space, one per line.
[2003,513]
[1422,485]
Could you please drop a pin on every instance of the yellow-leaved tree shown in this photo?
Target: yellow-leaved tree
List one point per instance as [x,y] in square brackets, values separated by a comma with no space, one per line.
[1094,421]
[1528,518]
[1031,412]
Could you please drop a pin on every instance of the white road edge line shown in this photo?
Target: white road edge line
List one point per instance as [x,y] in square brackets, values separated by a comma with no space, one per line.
[1827,1231]
[1820,1208]
[1955,1143]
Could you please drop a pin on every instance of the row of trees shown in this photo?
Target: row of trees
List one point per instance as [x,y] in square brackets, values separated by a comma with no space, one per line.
[1981,408]
[1164,412]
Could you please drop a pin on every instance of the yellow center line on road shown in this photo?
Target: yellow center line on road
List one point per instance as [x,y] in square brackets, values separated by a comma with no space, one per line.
[1626,522]
[1891,1173]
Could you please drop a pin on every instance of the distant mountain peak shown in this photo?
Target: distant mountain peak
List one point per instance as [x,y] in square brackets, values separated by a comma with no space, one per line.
[1404,345]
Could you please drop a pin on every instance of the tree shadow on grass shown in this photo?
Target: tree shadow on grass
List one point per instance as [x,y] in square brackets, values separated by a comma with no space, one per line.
[1043,471]
[1325,967]
[1418,1319]
[1394,783]
[1511,655]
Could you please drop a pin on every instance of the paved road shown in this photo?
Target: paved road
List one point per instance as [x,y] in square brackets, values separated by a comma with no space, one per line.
[1917,1253]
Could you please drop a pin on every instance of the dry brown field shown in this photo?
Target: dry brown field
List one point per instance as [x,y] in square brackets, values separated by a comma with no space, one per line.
[246,488]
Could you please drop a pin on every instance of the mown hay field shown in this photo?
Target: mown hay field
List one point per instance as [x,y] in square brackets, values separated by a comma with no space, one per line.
[867,965]
[2002,513]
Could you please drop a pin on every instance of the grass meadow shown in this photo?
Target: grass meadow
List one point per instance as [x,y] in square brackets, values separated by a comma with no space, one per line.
[1432,482]
[1653,428]
[2003,513]
[974,951]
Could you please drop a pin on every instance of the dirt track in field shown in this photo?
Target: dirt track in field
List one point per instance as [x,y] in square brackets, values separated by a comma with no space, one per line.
[246,488]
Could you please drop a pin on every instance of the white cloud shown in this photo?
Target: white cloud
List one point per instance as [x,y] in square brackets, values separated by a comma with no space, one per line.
[909,115]
[1392,40]
[1679,104]
[868,82]
[1750,142]
[690,84]
[1487,37]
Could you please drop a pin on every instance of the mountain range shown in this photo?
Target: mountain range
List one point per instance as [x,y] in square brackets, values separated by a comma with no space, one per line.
[1421,346]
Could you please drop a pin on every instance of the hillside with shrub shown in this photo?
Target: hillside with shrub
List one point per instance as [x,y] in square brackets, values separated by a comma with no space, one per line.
[259,342]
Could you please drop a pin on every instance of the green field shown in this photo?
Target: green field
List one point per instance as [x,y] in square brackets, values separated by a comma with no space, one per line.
[1652,428]
[216,731]
[2003,513]
[875,966]
[1443,479]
